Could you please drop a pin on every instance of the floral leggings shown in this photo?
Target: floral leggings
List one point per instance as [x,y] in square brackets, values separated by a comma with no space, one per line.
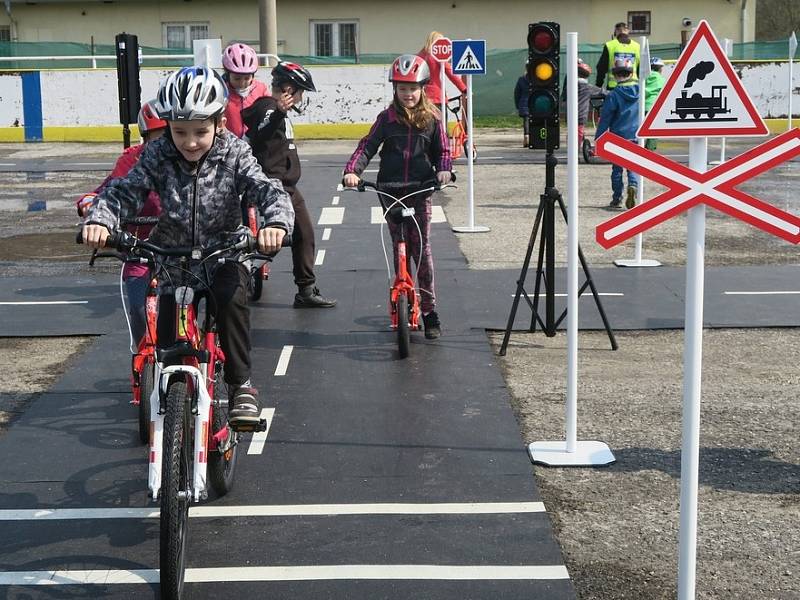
[422,213]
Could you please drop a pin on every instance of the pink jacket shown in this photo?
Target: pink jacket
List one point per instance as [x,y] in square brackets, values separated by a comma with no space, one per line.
[151,208]
[433,89]
[236,104]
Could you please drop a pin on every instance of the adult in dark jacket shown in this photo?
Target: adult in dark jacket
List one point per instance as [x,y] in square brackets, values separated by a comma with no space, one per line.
[522,92]
[271,136]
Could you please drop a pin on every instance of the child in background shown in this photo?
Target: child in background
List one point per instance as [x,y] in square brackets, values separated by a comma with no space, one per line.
[620,115]
[652,88]
[413,150]
[271,135]
[241,63]
[135,276]
[201,172]
[522,92]
[585,91]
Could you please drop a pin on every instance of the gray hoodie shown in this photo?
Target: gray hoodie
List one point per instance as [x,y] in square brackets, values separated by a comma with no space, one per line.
[200,202]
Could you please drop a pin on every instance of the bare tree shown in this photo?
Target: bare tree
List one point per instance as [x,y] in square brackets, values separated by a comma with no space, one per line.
[776,19]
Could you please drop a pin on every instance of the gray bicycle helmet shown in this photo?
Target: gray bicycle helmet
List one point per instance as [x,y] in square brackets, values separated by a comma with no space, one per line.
[192,94]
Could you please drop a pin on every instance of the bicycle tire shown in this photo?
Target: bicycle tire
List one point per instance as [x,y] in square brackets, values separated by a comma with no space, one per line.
[175,476]
[221,465]
[255,286]
[145,389]
[403,333]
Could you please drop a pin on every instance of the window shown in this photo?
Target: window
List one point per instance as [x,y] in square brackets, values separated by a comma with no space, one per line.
[181,35]
[334,38]
[639,22]
[5,33]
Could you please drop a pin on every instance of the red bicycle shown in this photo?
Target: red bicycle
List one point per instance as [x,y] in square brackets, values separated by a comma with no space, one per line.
[458,134]
[404,295]
[259,270]
[191,441]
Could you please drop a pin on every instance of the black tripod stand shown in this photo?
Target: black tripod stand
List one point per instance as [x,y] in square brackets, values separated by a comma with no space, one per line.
[545,269]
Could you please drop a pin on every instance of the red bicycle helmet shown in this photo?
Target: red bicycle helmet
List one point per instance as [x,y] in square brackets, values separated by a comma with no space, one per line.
[240,58]
[409,68]
[149,119]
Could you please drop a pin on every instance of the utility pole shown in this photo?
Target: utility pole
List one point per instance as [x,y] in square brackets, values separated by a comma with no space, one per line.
[268,27]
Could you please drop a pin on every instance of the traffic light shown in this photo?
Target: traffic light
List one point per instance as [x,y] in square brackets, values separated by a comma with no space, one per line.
[544,42]
[130,92]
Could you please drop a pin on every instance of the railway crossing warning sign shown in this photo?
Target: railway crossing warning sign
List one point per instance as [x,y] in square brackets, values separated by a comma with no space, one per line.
[703,96]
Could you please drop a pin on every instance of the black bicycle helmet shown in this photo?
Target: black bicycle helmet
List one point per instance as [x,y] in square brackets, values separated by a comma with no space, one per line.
[289,72]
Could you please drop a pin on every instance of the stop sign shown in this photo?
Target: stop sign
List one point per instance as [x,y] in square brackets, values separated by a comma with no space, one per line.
[442,49]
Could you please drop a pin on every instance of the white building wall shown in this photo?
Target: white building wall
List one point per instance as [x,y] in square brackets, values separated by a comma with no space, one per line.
[10,100]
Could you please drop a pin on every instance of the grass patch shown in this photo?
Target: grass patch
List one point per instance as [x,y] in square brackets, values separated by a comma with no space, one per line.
[498,121]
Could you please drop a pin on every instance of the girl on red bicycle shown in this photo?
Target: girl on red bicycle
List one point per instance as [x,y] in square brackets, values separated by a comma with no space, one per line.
[201,172]
[135,276]
[415,151]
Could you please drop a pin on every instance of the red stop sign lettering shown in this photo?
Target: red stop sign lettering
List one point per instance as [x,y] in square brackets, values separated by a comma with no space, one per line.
[442,49]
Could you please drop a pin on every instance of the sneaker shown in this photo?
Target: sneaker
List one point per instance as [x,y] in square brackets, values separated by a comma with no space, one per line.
[433,328]
[245,411]
[309,297]
[615,203]
[630,200]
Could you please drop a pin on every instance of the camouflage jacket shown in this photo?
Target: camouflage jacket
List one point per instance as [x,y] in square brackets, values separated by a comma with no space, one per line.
[200,204]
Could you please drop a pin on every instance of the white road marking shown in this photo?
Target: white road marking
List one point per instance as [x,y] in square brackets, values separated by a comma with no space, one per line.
[370,170]
[259,438]
[44,302]
[90,164]
[280,510]
[288,573]
[586,292]
[331,215]
[8,164]
[774,293]
[437,215]
[320,257]
[283,361]
[339,187]
[326,234]
[335,200]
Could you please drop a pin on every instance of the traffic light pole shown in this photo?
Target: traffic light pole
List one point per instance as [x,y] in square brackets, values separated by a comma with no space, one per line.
[545,267]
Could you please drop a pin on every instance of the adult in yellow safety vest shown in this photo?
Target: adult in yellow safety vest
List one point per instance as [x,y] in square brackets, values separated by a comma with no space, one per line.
[620,47]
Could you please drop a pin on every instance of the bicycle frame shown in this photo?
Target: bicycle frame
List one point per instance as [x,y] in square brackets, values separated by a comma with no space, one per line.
[202,388]
[404,284]
[147,346]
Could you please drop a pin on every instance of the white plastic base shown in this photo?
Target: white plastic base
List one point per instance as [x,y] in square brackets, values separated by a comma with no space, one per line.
[629,262]
[587,454]
[473,229]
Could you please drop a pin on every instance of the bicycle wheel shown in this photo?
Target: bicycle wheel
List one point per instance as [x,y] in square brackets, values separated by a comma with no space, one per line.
[255,286]
[403,333]
[588,151]
[175,490]
[146,388]
[222,461]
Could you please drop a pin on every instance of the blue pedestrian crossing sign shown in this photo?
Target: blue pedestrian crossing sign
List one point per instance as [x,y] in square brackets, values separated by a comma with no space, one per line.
[469,57]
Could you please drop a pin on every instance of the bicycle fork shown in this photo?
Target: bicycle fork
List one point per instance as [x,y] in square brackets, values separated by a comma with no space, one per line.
[201,429]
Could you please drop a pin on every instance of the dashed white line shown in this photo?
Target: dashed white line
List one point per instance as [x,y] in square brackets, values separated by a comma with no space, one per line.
[44,302]
[326,234]
[283,361]
[339,187]
[773,293]
[280,510]
[320,257]
[259,438]
[331,215]
[583,295]
[290,573]
[335,200]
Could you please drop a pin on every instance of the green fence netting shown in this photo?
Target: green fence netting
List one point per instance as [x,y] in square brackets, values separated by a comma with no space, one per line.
[493,92]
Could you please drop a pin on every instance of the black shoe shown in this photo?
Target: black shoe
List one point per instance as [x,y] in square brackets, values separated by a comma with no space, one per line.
[245,412]
[433,328]
[309,297]
[615,203]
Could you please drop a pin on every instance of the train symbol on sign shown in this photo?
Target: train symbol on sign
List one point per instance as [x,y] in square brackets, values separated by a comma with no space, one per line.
[698,107]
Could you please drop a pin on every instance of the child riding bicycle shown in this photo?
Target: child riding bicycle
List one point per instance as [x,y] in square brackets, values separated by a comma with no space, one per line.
[415,150]
[201,171]
[240,62]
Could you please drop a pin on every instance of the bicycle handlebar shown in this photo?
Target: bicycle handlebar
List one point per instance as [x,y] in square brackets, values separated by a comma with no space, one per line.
[139,221]
[363,184]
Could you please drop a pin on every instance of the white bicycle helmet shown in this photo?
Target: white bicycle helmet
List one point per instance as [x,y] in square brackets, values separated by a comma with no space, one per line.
[192,94]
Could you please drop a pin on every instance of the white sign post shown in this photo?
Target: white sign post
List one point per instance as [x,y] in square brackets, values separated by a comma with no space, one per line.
[792,50]
[572,452]
[469,57]
[727,43]
[208,53]
[644,73]
[702,98]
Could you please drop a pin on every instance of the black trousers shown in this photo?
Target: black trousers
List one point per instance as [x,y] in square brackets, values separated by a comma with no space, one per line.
[303,246]
[232,313]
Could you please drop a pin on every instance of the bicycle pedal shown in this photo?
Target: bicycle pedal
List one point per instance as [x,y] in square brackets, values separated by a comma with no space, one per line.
[251,427]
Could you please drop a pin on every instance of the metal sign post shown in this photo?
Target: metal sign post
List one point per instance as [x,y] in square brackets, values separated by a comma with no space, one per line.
[705,112]
[442,51]
[469,58]
[792,50]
